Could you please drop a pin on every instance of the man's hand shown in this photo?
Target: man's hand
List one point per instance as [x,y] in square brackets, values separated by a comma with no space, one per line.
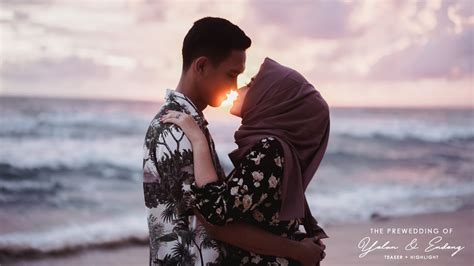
[311,252]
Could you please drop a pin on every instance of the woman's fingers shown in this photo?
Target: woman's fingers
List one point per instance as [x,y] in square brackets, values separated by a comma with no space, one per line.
[319,242]
[173,112]
[172,116]
[168,119]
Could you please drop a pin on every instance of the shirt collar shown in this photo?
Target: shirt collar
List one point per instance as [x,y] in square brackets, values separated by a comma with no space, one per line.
[185,101]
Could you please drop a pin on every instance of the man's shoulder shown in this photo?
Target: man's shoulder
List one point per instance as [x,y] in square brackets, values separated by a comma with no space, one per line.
[168,136]
[157,124]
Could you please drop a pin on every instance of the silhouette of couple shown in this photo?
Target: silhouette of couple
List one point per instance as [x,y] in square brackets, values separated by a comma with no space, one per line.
[197,215]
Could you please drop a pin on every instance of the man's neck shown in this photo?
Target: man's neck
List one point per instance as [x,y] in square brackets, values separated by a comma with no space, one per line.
[189,91]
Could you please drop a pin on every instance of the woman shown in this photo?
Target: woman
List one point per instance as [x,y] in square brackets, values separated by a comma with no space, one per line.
[281,142]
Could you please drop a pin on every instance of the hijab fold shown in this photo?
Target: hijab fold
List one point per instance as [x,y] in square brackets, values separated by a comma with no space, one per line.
[283,104]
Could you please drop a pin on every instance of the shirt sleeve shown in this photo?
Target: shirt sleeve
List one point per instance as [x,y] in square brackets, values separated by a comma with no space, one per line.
[254,182]
[171,141]
[168,166]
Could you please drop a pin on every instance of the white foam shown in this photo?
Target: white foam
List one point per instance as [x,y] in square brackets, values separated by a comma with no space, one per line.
[357,202]
[400,127]
[72,153]
[77,235]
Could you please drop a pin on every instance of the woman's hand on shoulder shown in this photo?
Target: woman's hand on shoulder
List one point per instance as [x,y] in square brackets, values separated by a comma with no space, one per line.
[186,123]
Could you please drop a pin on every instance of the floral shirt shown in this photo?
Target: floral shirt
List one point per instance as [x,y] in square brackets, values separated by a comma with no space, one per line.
[176,236]
[252,193]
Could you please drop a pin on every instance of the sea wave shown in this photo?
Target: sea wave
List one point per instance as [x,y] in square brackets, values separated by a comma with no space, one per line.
[16,175]
[82,125]
[75,236]
[356,202]
[396,130]
[72,153]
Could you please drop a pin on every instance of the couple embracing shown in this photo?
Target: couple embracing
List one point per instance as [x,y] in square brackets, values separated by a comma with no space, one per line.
[196,214]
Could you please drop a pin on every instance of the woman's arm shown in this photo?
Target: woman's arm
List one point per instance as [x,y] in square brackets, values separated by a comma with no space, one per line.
[204,171]
[254,184]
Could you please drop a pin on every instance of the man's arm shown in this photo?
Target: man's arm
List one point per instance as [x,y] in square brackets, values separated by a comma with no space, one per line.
[252,238]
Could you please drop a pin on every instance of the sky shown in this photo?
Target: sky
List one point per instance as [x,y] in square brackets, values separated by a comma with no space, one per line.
[381,53]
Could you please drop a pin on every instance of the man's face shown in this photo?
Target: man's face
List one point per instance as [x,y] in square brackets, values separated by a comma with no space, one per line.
[220,80]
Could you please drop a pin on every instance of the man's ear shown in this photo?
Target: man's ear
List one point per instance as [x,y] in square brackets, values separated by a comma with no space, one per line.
[200,65]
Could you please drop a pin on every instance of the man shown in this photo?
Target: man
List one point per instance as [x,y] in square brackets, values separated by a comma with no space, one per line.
[213,56]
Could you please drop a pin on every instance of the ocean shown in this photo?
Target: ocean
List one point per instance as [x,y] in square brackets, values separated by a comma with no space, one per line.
[71,176]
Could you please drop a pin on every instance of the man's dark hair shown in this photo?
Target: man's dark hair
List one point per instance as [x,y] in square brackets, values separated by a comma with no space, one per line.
[214,38]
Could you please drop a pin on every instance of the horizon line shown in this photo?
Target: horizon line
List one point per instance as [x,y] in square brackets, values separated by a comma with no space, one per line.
[95,98]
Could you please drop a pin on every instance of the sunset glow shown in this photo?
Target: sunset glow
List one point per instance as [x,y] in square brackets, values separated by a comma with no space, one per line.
[231,97]
[63,48]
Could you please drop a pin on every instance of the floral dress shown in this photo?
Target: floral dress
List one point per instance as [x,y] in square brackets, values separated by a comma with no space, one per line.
[251,193]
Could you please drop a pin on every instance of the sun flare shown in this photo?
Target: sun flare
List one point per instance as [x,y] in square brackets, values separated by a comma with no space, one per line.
[231,97]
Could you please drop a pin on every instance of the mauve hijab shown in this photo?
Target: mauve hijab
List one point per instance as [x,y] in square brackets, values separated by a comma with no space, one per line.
[283,104]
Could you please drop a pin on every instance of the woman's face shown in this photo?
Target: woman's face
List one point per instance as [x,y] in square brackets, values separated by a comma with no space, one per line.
[237,105]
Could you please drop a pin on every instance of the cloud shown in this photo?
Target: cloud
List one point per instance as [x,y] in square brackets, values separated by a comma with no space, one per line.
[368,40]
[313,19]
[120,45]
[150,11]
[48,70]
[447,56]
[444,51]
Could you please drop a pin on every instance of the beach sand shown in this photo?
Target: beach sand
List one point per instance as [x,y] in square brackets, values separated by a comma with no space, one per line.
[342,246]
